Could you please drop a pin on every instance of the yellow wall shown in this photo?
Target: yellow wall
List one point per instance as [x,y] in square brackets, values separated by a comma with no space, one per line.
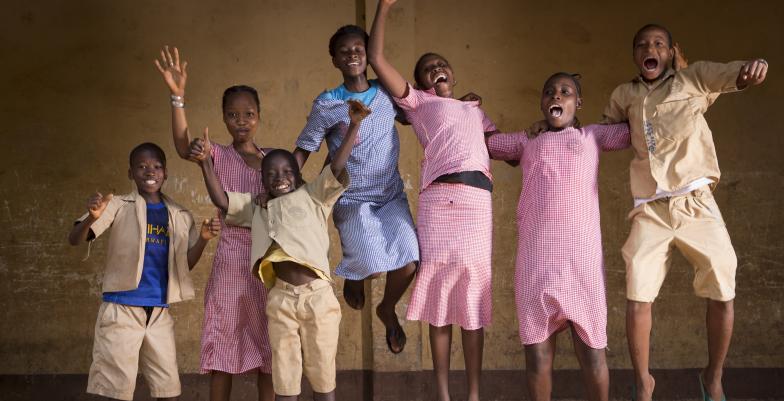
[79,91]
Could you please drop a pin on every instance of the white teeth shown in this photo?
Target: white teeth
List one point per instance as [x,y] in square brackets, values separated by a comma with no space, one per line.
[556,111]
[353,63]
[440,76]
[149,182]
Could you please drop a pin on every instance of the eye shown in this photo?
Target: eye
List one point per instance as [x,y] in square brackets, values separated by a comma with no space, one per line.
[250,114]
[232,114]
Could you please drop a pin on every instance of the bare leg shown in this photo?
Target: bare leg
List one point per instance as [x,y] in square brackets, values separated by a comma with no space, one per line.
[324,396]
[354,293]
[719,319]
[473,346]
[397,283]
[440,346]
[264,383]
[539,369]
[220,386]
[638,334]
[593,363]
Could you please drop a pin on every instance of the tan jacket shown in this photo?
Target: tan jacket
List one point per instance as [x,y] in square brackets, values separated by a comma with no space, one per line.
[296,221]
[672,143]
[127,215]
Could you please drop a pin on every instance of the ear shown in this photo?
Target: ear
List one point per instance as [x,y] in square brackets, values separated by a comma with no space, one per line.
[165,173]
[130,175]
[579,103]
[335,62]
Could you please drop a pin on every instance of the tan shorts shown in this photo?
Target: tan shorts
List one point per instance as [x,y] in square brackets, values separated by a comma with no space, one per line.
[693,224]
[304,325]
[125,342]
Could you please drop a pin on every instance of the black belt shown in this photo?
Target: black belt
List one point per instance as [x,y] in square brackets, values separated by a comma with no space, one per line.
[476,179]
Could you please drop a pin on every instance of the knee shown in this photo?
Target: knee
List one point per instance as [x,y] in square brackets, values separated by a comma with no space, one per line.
[595,362]
[538,361]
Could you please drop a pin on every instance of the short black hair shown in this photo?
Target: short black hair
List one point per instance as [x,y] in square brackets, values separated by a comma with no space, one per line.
[574,77]
[148,147]
[346,30]
[419,64]
[240,89]
[286,155]
[649,27]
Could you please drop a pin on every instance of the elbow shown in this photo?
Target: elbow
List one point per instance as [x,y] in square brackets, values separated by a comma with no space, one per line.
[73,241]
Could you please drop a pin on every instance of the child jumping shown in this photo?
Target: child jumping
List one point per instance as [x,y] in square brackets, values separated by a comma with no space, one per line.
[152,248]
[672,176]
[290,255]
[375,225]
[454,219]
[559,278]
[234,333]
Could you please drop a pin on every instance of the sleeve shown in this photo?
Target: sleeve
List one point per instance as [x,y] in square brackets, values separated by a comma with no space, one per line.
[615,111]
[193,229]
[488,124]
[240,211]
[507,146]
[708,77]
[612,136]
[105,221]
[317,125]
[411,101]
[327,188]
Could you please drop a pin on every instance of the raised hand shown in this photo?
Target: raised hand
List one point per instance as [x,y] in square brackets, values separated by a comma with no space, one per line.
[96,204]
[210,228]
[261,199]
[471,97]
[752,73]
[679,61]
[357,111]
[173,73]
[200,148]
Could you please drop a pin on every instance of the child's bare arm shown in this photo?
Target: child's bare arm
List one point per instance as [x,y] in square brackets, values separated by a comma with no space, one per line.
[96,205]
[175,76]
[752,73]
[395,84]
[302,156]
[210,228]
[357,111]
[200,153]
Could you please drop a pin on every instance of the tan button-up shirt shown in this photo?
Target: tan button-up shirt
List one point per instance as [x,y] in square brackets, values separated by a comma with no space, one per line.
[672,143]
[296,221]
[127,216]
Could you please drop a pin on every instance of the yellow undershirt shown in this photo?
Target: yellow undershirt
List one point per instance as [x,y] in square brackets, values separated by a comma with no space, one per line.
[276,254]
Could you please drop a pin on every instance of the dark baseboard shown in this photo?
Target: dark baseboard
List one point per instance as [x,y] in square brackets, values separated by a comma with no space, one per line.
[360,385]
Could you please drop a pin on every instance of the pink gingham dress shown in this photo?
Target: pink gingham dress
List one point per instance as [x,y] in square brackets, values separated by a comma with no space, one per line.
[560,274]
[234,335]
[454,221]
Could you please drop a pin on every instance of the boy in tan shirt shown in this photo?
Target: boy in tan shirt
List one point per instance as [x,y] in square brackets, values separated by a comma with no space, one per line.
[672,175]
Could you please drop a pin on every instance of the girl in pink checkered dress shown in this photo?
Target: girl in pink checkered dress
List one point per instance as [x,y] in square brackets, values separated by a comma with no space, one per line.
[454,218]
[234,334]
[559,279]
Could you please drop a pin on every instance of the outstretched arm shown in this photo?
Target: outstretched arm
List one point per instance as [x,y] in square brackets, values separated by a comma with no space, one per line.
[302,156]
[357,111]
[394,83]
[175,76]
[199,152]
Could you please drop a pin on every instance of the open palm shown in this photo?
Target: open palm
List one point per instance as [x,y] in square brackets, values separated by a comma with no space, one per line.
[174,73]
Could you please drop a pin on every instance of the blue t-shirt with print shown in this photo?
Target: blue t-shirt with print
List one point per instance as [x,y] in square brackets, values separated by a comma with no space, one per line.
[155,272]
[341,93]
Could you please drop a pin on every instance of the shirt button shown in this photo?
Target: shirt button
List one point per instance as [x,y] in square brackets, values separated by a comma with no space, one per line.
[272,234]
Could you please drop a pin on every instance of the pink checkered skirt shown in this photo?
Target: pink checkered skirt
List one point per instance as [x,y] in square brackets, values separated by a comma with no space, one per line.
[455,231]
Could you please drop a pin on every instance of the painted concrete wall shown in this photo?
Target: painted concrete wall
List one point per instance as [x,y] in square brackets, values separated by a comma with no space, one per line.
[79,91]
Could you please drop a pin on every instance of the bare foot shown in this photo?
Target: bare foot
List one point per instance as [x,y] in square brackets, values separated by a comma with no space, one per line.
[354,293]
[645,389]
[396,337]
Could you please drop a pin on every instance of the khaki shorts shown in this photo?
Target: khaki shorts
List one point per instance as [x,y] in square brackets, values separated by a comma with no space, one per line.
[693,224]
[125,342]
[304,325]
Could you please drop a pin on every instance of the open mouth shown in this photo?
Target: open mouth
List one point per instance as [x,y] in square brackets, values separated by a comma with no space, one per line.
[243,131]
[150,182]
[650,64]
[555,110]
[281,187]
[440,78]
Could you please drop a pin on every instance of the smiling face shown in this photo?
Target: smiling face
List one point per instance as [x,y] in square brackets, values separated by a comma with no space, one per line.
[350,57]
[148,172]
[433,71]
[278,175]
[652,52]
[241,116]
[560,101]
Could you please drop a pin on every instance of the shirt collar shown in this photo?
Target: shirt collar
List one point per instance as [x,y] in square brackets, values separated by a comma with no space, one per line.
[667,74]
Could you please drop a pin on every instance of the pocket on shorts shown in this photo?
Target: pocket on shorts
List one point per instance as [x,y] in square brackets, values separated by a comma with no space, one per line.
[107,314]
